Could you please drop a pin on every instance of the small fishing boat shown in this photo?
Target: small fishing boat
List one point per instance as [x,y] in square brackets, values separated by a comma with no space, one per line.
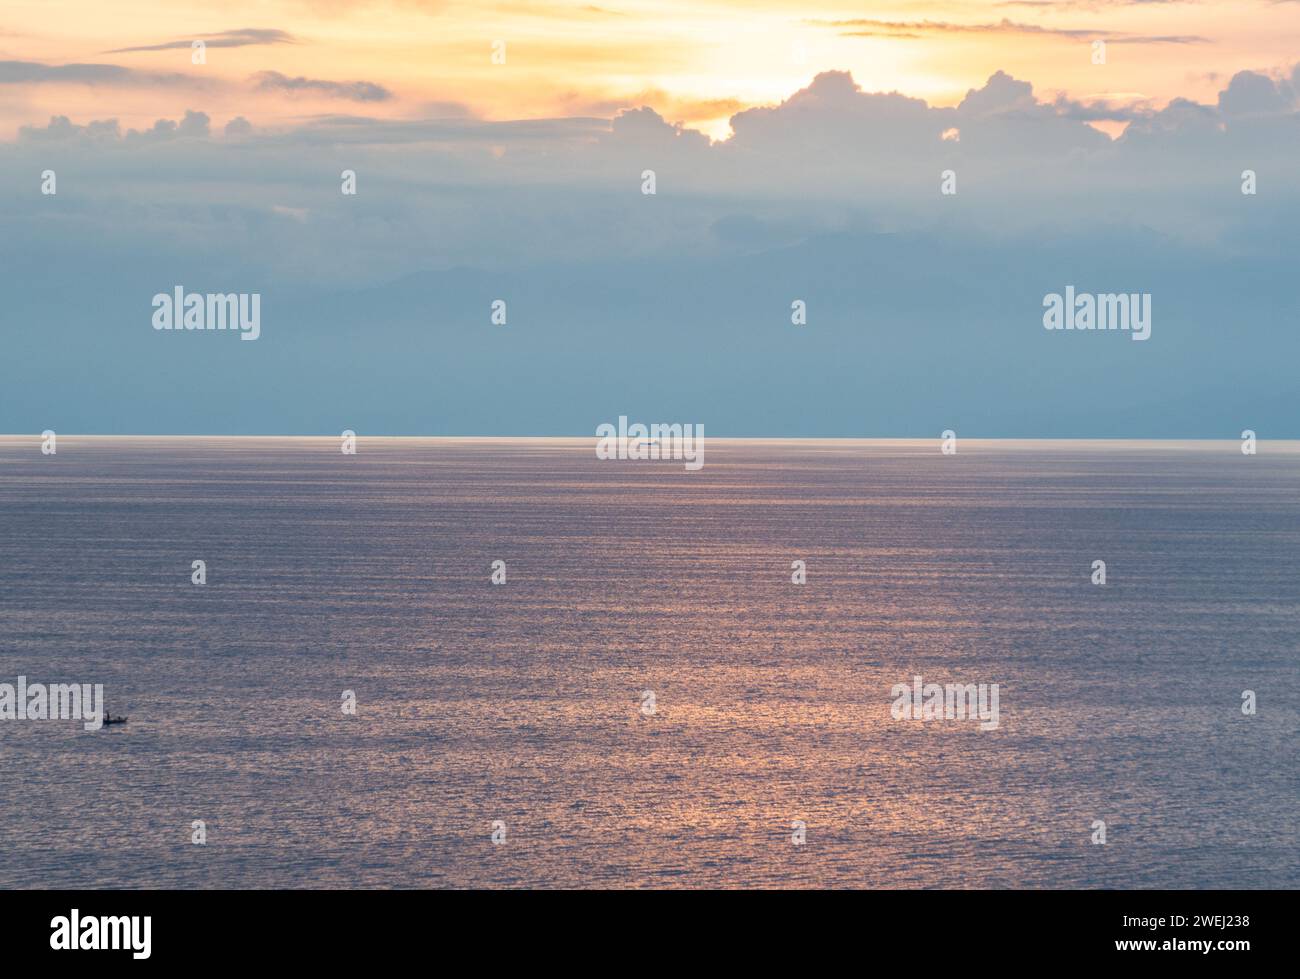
[109,719]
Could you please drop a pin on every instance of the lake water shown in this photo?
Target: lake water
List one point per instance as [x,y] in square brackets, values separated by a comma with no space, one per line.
[522,704]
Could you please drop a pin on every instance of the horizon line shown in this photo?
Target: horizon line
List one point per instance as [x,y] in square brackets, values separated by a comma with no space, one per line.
[721,438]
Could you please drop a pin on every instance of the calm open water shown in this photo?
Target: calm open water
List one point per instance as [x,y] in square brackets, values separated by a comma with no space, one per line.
[522,703]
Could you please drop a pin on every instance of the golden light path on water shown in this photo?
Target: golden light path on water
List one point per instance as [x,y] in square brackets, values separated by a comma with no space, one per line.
[522,703]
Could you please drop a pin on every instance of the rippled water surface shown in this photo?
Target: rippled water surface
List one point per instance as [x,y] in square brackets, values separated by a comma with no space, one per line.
[522,703]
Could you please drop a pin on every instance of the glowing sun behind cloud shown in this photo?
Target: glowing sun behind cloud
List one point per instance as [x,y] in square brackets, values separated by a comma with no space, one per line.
[281,61]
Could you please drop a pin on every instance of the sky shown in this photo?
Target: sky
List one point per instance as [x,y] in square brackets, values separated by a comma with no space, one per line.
[694,61]
[798,153]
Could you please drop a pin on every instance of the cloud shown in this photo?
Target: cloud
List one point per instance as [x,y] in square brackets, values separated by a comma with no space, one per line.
[871,27]
[1102,110]
[194,125]
[343,130]
[35,73]
[644,126]
[1250,93]
[829,158]
[834,110]
[1000,93]
[669,105]
[444,110]
[273,81]
[243,37]
[61,128]
[920,303]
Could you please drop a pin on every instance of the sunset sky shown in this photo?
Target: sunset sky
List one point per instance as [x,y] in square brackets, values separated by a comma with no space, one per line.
[798,150]
[694,61]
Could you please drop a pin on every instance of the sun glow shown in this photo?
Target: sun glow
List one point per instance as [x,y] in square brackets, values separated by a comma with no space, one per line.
[693,63]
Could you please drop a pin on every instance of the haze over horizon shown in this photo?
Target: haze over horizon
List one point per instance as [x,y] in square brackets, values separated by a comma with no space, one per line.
[477,182]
